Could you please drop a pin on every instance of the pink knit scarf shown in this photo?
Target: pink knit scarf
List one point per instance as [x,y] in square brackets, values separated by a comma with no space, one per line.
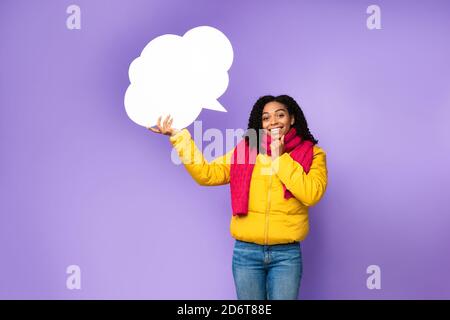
[240,173]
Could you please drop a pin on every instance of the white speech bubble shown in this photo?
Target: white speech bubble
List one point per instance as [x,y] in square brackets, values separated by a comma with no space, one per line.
[179,76]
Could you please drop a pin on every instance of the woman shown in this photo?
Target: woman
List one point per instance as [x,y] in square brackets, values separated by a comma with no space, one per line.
[275,176]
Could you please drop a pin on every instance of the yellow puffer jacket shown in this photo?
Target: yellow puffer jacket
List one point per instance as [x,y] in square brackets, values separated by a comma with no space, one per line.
[271,219]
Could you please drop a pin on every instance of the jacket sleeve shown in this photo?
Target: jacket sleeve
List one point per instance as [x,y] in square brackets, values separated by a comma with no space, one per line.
[214,173]
[307,188]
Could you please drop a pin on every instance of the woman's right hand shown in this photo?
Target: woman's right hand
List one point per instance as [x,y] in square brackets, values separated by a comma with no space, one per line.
[165,128]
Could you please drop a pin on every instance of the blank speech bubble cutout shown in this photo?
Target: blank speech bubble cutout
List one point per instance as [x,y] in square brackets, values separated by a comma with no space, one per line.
[179,76]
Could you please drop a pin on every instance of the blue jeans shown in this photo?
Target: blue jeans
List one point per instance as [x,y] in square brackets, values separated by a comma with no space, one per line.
[271,272]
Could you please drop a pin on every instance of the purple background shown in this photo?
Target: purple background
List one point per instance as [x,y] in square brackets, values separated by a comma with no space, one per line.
[81,184]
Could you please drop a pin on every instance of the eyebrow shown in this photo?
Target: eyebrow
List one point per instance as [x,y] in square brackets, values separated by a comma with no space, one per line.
[281,109]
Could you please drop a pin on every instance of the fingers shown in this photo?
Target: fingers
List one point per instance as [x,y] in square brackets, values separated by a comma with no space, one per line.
[165,122]
[158,124]
[164,127]
[168,123]
[154,130]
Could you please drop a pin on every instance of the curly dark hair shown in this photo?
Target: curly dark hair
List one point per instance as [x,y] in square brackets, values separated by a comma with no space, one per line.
[255,119]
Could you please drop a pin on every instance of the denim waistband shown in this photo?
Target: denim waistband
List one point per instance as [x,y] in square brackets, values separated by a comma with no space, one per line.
[255,246]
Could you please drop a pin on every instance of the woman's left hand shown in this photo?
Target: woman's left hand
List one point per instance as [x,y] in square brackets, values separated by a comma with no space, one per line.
[277,147]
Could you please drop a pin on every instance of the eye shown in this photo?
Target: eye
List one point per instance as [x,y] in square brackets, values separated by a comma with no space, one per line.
[281,115]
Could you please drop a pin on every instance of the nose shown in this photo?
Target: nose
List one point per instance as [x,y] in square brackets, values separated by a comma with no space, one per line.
[273,121]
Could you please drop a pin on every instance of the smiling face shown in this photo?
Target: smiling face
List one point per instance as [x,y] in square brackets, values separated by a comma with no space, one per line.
[276,115]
